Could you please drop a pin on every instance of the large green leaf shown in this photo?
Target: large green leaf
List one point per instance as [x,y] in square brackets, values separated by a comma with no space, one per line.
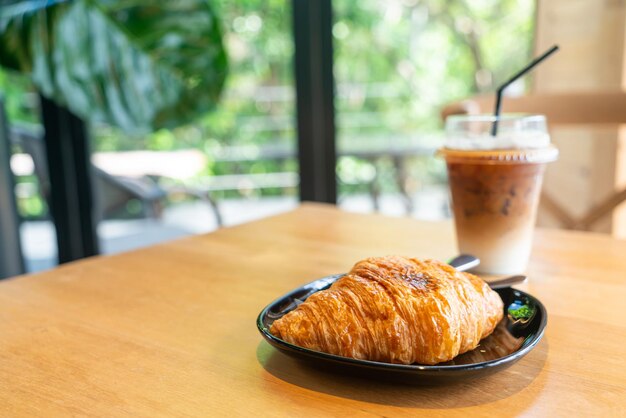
[137,64]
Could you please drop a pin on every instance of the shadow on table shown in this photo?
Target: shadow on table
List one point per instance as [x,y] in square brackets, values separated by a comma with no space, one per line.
[489,389]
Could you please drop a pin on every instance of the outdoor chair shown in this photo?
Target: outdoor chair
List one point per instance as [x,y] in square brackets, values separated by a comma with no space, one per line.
[112,193]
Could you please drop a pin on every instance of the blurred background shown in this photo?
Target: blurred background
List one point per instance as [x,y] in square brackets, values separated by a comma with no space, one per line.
[397,63]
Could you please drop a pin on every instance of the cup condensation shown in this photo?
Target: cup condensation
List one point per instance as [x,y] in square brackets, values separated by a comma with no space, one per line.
[495,185]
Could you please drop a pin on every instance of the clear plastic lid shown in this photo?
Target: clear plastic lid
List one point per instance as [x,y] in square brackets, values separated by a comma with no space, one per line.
[474,132]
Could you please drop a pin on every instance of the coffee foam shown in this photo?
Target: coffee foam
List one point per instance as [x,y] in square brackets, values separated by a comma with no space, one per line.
[500,156]
[504,141]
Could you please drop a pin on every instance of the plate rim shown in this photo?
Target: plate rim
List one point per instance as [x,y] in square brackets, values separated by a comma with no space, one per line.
[511,357]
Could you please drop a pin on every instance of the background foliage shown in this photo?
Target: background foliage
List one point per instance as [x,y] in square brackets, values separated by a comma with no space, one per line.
[134,64]
[396,63]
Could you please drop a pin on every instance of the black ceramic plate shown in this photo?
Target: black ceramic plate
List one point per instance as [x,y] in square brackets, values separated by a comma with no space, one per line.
[519,331]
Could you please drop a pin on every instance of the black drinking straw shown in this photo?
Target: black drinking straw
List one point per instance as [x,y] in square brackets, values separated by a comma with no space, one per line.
[494,127]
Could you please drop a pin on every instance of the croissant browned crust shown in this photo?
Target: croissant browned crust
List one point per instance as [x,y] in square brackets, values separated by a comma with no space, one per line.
[396,310]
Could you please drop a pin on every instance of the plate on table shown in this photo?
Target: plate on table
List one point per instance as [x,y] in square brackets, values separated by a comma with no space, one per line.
[522,327]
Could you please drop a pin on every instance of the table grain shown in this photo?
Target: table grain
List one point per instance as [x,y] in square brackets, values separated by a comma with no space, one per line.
[170,330]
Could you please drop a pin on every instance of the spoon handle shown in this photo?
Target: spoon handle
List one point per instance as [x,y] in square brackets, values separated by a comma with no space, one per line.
[464,262]
[507,282]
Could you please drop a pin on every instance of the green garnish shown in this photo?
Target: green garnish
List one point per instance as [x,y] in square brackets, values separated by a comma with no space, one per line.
[523,312]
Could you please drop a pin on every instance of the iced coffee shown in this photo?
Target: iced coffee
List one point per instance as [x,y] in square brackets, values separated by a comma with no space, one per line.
[495,184]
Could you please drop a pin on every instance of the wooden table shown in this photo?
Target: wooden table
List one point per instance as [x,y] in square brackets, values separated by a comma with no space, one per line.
[170,330]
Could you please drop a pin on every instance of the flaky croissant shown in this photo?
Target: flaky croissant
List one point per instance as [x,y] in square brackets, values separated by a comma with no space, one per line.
[395,310]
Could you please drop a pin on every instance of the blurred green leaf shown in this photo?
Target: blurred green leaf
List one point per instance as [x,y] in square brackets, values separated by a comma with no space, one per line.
[136,64]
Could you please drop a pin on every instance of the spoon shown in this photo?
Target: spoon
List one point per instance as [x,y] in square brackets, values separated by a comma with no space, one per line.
[466,262]
[507,282]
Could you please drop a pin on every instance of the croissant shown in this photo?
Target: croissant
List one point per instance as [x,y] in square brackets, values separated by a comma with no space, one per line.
[396,310]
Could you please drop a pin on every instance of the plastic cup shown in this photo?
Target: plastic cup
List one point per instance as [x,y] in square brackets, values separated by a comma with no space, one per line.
[495,185]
